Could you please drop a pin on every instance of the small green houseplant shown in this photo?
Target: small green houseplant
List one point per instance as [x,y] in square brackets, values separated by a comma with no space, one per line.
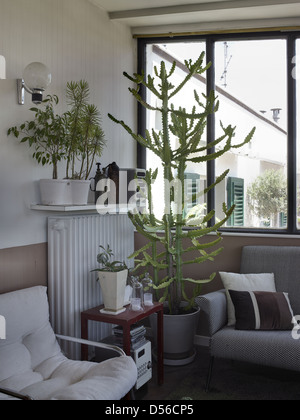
[112,276]
[105,259]
[46,133]
[169,243]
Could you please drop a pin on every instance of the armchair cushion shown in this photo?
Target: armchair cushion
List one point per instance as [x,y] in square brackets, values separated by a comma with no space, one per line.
[30,339]
[266,348]
[33,364]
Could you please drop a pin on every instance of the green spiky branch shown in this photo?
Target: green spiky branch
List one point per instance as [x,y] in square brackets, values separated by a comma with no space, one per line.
[169,242]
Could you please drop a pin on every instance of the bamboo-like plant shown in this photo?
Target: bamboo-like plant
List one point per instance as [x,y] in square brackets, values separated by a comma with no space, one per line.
[85,135]
[169,232]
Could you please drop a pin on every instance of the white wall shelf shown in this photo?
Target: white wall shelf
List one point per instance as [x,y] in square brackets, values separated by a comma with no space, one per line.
[122,209]
[40,207]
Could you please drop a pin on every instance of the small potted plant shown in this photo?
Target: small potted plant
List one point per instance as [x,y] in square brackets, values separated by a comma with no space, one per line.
[46,134]
[112,276]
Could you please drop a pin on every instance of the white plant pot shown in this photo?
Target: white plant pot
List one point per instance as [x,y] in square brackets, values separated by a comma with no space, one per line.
[80,192]
[113,287]
[179,335]
[55,192]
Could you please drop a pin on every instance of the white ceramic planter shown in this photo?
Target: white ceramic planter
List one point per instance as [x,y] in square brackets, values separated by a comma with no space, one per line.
[55,192]
[80,192]
[64,192]
[113,287]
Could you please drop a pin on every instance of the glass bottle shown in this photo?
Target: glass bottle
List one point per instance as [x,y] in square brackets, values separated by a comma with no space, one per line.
[148,290]
[137,300]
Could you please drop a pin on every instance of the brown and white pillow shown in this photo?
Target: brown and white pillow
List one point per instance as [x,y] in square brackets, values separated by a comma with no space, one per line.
[263,282]
[262,310]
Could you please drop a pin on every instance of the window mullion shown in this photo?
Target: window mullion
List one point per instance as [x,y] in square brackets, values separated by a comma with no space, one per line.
[211,165]
[292,136]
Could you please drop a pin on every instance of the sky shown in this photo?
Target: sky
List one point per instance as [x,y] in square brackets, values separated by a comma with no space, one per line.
[256,72]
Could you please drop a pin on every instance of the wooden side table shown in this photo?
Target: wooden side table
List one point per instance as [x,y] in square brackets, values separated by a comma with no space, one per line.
[126,319]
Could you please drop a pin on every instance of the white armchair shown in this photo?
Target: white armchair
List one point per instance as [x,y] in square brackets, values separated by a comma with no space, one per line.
[32,364]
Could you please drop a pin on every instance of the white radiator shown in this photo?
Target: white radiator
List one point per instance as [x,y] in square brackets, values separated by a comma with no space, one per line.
[73,245]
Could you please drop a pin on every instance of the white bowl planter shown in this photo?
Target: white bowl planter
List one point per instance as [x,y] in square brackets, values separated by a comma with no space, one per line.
[64,192]
[80,191]
[113,287]
[55,192]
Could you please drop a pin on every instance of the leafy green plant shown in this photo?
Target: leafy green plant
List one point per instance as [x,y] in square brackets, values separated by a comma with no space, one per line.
[107,264]
[85,135]
[167,252]
[75,136]
[46,133]
[267,195]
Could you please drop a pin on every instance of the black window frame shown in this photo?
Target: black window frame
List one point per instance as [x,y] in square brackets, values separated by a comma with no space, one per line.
[291,38]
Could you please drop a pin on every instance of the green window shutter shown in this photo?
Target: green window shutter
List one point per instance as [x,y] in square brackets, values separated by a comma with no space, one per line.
[235,196]
[282,220]
[191,191]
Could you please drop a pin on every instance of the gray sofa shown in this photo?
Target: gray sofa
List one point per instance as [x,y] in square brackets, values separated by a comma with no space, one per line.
[268,348]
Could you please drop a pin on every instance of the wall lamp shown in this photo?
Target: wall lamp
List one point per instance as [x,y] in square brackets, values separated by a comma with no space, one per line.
[36,79]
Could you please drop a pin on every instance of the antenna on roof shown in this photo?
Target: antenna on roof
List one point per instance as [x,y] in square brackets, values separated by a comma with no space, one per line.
[226,65]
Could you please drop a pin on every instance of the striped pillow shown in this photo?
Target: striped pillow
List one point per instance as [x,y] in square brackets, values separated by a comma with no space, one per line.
[262,310]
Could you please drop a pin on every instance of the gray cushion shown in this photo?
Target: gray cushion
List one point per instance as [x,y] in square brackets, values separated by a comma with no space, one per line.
[267,348]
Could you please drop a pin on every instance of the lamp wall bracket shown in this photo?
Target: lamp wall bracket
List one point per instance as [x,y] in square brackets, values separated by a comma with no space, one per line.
[21,91]
[37,94]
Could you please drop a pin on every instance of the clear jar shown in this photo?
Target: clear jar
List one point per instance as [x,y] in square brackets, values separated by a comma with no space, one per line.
[137,300]
[148,290]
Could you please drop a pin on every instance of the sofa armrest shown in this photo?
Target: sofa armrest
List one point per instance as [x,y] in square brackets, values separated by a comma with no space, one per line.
[214,308]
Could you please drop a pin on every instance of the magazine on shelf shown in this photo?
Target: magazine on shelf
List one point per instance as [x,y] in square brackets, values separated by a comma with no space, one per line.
[115,341]
[134,330]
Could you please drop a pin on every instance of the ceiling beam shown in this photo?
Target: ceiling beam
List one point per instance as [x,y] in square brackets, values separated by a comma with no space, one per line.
[199,7]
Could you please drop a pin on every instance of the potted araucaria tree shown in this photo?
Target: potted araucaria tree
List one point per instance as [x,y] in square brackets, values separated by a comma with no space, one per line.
[169,242]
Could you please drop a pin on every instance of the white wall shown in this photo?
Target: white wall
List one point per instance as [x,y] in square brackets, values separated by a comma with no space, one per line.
[76,41]
[2,67]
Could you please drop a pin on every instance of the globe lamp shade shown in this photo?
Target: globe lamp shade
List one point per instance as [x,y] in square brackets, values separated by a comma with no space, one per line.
[37,78]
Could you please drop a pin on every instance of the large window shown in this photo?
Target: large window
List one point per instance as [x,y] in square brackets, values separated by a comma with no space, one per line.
[251,82]
[196,174]
[255,77]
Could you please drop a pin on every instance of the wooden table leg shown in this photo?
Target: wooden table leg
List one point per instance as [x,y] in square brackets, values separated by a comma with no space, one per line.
[84,336]
[160,347]
[127,340]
